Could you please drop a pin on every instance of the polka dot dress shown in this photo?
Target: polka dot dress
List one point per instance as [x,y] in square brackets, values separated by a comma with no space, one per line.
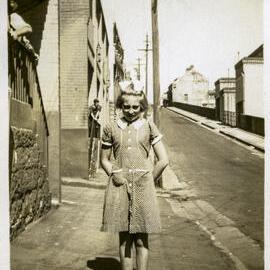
[133,206]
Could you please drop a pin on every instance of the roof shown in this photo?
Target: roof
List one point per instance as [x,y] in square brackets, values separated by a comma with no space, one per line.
[225,79]
[258,52]
[255,57]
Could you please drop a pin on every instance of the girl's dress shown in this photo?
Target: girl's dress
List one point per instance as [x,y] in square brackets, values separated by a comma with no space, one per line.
[133,206]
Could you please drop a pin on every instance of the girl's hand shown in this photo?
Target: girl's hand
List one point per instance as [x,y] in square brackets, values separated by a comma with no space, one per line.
[118,179]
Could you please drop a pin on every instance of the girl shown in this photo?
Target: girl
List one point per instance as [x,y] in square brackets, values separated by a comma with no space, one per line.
[130,206]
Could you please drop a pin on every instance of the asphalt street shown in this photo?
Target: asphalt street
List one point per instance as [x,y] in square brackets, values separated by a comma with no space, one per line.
[226,174]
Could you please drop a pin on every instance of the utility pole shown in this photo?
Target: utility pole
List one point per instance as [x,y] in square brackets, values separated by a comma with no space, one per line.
[155,41]
[146,50]
[139,69]
[59,174]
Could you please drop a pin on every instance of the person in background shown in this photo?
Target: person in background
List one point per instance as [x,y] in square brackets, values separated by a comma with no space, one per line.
[94,113]
[130,206]
[19,29]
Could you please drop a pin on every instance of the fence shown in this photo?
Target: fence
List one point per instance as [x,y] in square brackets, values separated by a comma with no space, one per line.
[229,118]
[26,106]
[251,123]
[202,111]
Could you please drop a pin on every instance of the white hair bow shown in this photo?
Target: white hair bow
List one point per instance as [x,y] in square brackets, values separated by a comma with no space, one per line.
[131,86]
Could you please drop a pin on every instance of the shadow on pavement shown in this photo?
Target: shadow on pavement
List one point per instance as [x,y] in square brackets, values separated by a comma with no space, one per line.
[101,263]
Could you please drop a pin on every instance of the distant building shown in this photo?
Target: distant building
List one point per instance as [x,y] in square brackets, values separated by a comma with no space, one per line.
[170,94]
[191,88]
[118,65]
[225,100]
[210,102]
[117,68]
[249,92]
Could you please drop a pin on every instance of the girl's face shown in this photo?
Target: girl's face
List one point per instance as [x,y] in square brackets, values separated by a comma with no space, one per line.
[131,108]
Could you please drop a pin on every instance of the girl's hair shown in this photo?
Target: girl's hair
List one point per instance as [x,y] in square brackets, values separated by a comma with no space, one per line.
[142,99]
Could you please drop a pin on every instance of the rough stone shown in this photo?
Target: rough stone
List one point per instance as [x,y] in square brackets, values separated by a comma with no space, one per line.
[14,211]
[23,138]
[29,189]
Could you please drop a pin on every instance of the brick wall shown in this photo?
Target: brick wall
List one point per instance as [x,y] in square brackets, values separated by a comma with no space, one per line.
[74,87]
[73,63]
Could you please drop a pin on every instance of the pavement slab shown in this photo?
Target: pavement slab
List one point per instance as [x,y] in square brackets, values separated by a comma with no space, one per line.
[245,137]
[238,134]
[69,238]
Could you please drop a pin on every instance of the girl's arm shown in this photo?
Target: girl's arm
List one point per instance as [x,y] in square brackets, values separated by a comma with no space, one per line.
[105,159]
[162,158]
[117,178]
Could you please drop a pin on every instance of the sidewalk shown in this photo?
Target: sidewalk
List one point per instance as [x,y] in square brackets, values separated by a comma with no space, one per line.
[238,134]
[100,181]
[69,238]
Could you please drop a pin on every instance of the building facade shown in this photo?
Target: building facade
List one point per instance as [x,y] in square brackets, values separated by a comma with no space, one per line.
[249,92]
[211,102]
[43,17]
[191,88]
[30,194]
[118,65]
[117,68]
[225,101]
[84,76]
[71,40]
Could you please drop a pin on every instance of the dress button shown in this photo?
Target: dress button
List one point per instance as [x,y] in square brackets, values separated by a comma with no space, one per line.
[129,140]
[130,185]
[129,148]
[129,132]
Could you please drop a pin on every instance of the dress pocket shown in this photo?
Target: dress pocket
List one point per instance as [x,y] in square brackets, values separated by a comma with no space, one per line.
[144,178]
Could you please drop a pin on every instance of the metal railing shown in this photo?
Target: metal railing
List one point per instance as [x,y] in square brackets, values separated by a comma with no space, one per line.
[23,77]
[26,93]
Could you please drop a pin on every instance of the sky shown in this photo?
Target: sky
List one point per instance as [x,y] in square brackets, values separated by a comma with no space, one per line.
[205,33]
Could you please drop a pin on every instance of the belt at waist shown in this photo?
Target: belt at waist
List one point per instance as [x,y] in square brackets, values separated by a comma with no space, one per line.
[130,170]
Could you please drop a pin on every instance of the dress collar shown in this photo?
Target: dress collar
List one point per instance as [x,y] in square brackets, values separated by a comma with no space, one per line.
[122,123]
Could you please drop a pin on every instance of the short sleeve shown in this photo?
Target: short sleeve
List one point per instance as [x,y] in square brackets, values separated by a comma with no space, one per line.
[17,22]
[155,135]
[107,135]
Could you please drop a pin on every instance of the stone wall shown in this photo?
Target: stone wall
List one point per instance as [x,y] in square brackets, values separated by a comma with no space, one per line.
[202,111]
[30,197]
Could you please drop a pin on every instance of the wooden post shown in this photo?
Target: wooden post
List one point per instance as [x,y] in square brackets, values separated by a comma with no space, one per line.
[146,66]
[146,50]
[155,45]
[59,111]
[139,69]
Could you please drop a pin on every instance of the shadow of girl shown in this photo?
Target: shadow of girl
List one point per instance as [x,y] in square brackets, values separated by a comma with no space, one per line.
[103,263]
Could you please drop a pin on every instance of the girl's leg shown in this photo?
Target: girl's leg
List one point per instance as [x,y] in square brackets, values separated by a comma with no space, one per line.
[141,244]
[125,250]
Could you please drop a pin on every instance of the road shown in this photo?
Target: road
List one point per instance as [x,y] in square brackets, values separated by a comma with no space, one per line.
[227,175]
